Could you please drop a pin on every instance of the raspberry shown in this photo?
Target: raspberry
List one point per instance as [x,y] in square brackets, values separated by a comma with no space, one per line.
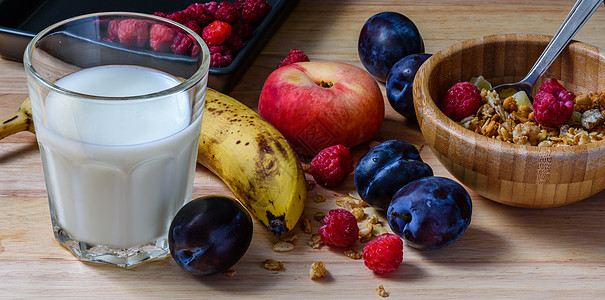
[551,86]
[331,165]
[339,228]
[234,43]
[178,16]
[227,12]
[211,7]
[161,37]
[160,14]
[194,26]
[218,60]
[243,30]
[254,11]
[133,32]
[462,100]
[383,254]
[553,105]
[295,55]
[112,30]
[216,33]
[181,44]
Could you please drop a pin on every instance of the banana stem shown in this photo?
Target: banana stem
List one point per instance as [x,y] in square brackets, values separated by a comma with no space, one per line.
[19,121]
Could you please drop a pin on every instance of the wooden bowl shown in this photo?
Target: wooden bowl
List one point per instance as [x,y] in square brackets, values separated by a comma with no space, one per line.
[517,175]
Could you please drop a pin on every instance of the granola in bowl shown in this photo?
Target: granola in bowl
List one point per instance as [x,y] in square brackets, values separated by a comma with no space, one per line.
[509,117]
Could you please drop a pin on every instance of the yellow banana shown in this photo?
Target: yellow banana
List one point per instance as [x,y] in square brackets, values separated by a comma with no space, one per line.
[245,151]
[254,160]
[19,121]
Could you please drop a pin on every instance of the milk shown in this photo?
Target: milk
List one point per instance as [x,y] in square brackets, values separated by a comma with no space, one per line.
[117,171]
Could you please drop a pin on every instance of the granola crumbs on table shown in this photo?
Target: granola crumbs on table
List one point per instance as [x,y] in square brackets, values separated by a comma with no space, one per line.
[315,241]
[306,225]
[289,236]
[319,216]
[319,198]
[317,270]
[230,273]
[381,291]
[352,254]
[272,265]
[282,246]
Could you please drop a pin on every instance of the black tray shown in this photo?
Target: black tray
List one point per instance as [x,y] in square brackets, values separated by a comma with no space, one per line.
[20,20]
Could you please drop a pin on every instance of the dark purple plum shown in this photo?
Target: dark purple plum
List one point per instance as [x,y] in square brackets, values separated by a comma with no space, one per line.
[400,81]
[385,169]
[210,234]
[385,38]
[430,212]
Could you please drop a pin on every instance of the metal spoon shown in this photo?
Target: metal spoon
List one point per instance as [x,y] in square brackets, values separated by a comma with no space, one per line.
[579,14]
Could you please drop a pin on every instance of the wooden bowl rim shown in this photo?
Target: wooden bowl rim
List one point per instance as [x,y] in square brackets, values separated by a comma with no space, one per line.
[427,104]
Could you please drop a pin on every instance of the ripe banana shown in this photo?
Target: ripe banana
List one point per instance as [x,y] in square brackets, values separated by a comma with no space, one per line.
[19,121]
[254,160]
[245,151]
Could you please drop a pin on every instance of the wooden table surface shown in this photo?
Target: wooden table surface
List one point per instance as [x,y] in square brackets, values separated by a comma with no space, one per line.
[506,251]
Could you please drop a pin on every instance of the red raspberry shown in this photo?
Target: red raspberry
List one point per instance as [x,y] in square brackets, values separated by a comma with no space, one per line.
[181,44]
[194,26]
[331,165]
[254,11]
[178,16]
[160,14]
[243,30]
[216,33]
[218,60]
[239,4]
[551,86]
[295,55]
[339,228]
[553,105]
[234,43]
[462,100]
[133,32]
[112,30]
[227,12]
[211,7]
[161,37]
[383,254]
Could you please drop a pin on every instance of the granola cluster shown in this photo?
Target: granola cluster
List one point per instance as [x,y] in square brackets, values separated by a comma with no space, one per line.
[505,120]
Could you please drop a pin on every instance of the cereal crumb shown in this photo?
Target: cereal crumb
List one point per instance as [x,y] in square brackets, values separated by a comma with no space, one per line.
[378,229]
[230,273]
[352,254]
[306,225]
[319,216]
[358,212]
[381,291]
[272,265]
[319,198]
[282,246]
[310,184]
[289,236]
[315,241]
[317,270]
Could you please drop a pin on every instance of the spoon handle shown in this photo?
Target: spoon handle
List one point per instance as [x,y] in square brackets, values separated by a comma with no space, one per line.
[579,14]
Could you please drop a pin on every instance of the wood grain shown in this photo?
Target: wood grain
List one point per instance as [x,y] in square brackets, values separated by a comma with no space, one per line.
[507,252]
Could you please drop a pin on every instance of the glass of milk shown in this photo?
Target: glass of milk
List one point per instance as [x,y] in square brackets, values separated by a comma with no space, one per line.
[117,101]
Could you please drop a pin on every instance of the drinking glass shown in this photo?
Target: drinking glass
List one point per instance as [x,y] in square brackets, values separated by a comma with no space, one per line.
[117,101]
